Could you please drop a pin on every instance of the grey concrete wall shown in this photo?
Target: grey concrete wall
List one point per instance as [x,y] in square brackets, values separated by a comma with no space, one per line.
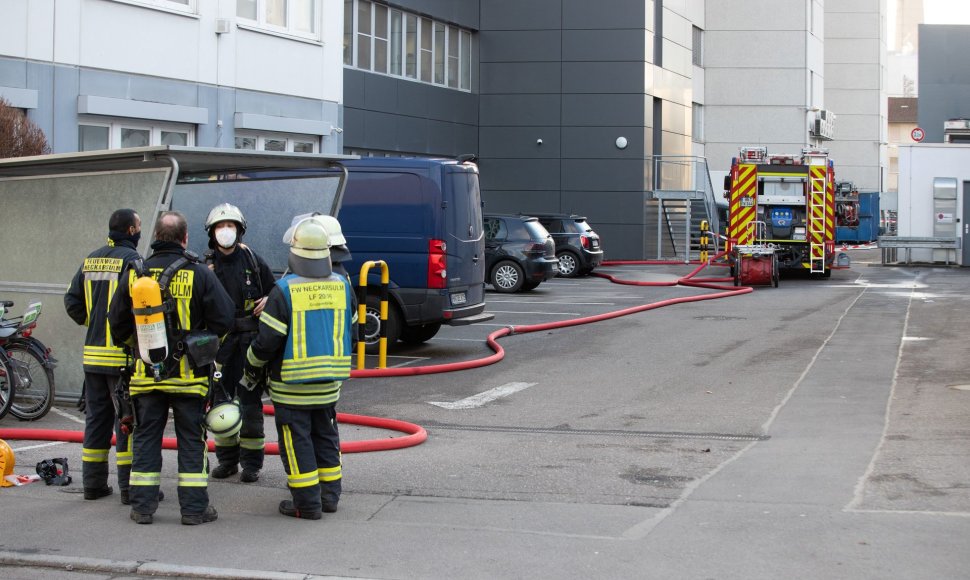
[944,78]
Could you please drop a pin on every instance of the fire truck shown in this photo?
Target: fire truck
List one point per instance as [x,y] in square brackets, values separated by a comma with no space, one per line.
[781,214]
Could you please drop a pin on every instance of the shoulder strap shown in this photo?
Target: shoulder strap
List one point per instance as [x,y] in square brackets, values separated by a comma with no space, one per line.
[254,266]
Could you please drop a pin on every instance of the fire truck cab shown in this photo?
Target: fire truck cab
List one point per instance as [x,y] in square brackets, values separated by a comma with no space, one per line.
[786,203]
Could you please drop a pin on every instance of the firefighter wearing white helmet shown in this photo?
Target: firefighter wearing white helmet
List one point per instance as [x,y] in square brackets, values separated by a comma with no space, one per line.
[304,352]
[247,279]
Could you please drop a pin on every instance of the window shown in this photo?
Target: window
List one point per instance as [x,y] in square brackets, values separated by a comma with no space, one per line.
[277,142]
[697,126]
[298,17]
[698,51]
[94,134]
[394,42]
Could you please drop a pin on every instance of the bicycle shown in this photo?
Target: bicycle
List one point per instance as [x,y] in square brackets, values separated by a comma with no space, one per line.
[29,362]
[8,380]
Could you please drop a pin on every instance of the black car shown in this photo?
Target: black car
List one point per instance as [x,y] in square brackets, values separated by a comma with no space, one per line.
[577,245]
[519,252]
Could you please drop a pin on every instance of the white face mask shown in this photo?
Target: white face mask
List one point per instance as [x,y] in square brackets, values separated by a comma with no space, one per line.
[226,237]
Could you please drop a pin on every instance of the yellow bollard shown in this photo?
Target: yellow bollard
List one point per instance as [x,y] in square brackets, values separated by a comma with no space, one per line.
[362,314]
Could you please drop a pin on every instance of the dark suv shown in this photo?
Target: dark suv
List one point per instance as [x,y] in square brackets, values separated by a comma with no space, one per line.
[577,245]
[519,252]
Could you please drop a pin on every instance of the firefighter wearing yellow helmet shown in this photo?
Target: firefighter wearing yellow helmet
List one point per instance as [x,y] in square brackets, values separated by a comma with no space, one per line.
[303,350]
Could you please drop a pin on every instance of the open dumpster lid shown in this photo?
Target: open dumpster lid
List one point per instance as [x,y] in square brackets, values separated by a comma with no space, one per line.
[188,159]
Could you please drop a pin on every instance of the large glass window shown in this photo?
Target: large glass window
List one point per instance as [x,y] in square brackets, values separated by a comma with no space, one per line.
[277,142]
[95,133]
[297,17]
[392,41]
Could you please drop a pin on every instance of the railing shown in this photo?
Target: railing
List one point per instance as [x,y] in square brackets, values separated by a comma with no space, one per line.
[889,245]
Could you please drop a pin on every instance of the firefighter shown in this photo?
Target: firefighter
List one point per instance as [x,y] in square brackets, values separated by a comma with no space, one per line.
[303,351]
[248,279]
[196,301]
[87,302]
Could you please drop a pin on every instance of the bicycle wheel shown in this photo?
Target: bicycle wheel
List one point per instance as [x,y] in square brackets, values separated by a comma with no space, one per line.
[6,387]
[34,394]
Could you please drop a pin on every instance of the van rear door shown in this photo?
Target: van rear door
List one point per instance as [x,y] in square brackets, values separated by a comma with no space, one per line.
[464,239]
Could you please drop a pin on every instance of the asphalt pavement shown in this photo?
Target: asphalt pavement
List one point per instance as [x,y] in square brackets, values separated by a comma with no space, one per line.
[815,430]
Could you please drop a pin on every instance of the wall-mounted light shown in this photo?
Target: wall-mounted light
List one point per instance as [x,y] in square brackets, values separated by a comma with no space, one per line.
[621,143]
[538,141]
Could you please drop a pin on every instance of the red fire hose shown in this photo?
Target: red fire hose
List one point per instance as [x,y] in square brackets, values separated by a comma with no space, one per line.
[417,434]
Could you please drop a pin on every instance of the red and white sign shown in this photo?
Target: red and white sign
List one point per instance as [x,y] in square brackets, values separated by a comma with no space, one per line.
[917,134]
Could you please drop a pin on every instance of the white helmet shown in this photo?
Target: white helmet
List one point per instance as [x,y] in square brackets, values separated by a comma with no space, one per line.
[224,419]
[332,226]
[226,212]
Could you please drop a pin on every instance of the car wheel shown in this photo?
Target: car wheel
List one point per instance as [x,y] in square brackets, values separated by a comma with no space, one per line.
[568,264]
[372,330]
[419,332]
[507,277]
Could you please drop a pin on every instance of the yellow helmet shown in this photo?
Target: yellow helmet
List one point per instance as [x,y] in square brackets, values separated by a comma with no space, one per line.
[7,463]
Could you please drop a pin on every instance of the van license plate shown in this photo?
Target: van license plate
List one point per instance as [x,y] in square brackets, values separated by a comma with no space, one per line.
[458,298]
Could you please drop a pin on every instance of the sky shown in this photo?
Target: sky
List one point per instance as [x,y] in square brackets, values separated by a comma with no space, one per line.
[946,12]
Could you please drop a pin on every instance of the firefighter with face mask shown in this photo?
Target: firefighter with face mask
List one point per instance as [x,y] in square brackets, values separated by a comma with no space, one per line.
[194,308]
[303,350]
[247,279]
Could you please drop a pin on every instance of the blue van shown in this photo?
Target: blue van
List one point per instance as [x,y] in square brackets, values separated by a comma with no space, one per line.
[423,217]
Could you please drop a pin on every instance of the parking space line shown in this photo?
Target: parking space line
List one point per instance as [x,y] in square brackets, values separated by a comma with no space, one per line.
[549,302]
[533,312]
[483,398]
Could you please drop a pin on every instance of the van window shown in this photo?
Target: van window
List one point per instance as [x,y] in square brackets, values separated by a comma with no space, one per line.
[268,205]
[464,207]
[386,202]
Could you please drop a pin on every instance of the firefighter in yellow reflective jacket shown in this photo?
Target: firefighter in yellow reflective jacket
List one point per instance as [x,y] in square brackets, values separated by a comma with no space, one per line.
[87,302]
[303,347]
[196,301]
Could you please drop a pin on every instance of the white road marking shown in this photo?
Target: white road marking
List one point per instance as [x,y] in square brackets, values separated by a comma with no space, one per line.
[560,303]
[74,418]
[527,312]
[52,444]
[482,399]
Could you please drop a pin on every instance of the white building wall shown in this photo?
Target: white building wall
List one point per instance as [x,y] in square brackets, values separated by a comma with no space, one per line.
[763,64]
[855,90]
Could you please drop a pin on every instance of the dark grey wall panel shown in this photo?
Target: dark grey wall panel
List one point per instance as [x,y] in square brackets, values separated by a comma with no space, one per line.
[604,110]
[520,201]
[400,97]
[528,77]
[620,241]
[520,174]
[604,45]
[944,87]
[520,142]
[603,174]
[460,12]
[521,14]
[600,142]
[530,110]
[605,207]
[583,14]
[522,46]
[603,77]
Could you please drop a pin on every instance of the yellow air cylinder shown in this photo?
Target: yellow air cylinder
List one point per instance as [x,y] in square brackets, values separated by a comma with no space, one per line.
[146,299]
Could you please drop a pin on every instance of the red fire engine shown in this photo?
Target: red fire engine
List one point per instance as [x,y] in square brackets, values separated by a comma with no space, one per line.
[781,214]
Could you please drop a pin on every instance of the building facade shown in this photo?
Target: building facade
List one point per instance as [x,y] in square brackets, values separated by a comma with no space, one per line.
[566,103]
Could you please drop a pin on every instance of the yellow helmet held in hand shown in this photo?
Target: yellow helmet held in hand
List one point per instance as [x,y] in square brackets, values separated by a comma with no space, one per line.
[224,419]
[7,463]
